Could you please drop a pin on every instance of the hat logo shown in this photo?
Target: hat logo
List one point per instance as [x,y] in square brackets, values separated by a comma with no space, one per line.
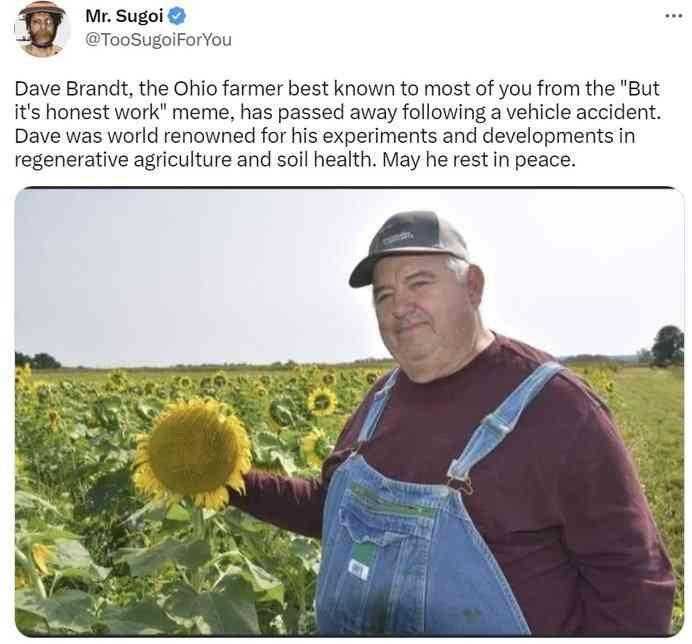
[387,241]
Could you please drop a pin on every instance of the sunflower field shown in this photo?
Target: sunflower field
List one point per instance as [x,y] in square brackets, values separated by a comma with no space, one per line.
[121,517]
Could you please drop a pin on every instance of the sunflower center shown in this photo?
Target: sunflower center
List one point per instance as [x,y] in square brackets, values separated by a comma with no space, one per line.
[192,451]
[322,402]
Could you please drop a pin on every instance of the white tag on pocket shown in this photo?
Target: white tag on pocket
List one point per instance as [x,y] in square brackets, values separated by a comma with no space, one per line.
[358,569]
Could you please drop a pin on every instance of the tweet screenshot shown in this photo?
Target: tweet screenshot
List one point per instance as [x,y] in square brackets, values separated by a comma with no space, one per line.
[357,319]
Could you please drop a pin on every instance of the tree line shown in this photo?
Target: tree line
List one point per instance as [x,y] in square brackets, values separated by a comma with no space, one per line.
[39,361]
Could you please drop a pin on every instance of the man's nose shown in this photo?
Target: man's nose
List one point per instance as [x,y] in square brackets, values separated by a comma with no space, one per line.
[402,304]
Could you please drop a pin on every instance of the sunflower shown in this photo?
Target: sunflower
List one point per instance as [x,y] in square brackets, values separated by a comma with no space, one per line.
[314,447]
[371,377]
[220,379]
[322,401]
[53,419]
[42,555]
[329,379]
[185,382]
[194,451]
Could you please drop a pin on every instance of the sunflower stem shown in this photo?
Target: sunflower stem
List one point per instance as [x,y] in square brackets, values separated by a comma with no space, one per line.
[199,532]
[27,564]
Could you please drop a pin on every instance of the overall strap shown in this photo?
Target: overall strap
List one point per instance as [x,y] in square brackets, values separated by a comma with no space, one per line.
[497,425]
[377,406]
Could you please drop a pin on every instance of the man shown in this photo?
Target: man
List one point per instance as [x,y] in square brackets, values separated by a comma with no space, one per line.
[42,20]
[480,488]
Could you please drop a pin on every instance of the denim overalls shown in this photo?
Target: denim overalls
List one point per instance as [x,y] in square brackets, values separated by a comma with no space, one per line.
[406,558]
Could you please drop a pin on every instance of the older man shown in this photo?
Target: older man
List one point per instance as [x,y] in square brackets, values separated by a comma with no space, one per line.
[42,20]
[480,488]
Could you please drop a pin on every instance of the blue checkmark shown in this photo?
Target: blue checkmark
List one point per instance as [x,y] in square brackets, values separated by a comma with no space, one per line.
[176,15]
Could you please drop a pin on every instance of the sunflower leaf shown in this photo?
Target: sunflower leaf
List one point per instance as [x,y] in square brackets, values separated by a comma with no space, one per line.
[74,560]
[266,586]
[28,500]
[69,609]
[145,618]
[144,561]
[193,555]
[227,610]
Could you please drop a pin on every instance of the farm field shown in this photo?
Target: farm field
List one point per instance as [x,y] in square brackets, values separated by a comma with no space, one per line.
[96,554]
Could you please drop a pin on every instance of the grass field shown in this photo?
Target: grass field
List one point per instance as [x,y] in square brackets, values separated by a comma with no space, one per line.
[75,438]
[650,416]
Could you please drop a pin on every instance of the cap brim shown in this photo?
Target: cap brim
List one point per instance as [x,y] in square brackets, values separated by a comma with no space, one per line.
[362,273]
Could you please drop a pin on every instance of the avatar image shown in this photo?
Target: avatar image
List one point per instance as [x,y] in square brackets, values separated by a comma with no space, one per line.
[42,20]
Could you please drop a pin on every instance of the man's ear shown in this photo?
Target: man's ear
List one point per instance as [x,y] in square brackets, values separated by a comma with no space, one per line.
[475,282]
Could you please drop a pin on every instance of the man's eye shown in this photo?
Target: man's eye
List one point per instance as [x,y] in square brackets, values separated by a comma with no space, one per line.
[382,297]
[419,284]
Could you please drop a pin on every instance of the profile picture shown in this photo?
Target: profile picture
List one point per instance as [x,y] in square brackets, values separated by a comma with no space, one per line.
[41,29]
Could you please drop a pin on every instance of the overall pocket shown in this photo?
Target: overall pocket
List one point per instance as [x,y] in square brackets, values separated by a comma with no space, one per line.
[367,567]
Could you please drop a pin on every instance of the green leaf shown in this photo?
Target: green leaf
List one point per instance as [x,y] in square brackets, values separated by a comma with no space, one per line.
[153,507]
[229,609]
[28,500]
[266,586]
[50,535]
[74,560]
[30,601]
[238,519]
[144,561]
[177,513]
[29,623]
[307,551]
[193,555]
[145,618]
[69,609]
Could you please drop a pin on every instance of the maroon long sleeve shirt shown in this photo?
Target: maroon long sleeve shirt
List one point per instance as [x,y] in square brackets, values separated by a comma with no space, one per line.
[558,501]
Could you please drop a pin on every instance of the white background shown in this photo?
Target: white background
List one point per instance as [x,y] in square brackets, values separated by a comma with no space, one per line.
[366,40]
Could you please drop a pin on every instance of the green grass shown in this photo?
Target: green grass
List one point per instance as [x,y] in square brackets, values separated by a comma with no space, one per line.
[650,417]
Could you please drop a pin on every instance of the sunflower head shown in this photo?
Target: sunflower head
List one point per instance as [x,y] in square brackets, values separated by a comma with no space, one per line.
[185,382]
[329,379]
[260,391]
[314,447]
[161,392]
[322,401]
[371,377]
[220,379]
[194,451]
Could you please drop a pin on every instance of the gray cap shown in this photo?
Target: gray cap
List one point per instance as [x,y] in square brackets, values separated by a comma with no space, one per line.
[409,233]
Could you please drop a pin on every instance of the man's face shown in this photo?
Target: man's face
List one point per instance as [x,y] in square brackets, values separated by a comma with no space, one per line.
[428,319]
[42,29]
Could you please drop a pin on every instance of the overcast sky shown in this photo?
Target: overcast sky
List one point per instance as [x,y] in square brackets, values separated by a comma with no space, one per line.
[159,277]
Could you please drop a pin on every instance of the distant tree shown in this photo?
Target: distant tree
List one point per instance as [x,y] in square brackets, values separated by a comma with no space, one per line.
[44,361]
[644,356]
[669,346]
[20,359]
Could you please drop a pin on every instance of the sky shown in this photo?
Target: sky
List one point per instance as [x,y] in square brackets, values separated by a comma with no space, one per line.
[107,278]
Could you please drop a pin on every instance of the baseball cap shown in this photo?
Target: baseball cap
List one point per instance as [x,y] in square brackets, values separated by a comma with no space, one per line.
[409,233]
